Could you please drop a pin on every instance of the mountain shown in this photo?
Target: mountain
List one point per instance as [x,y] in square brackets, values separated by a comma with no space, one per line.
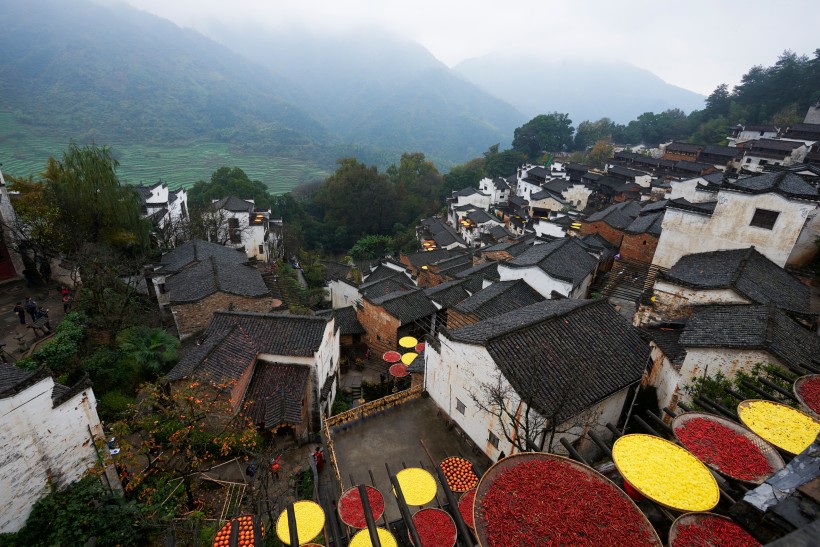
[116,74]
[379,91]
[586,90]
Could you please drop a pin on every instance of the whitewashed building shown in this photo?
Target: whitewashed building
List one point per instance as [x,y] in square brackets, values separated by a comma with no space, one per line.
[249,228]
[573,360]
[767,211]
[46,439]
[497,188]
[162,205]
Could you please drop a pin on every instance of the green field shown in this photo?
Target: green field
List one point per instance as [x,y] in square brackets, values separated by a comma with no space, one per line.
[23,152]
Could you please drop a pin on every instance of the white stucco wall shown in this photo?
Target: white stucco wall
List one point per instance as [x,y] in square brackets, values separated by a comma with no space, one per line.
[536,278]
[577,195]
[41,445]
[670,298]
[664,377]
[342,294]
[728,228]
[708,361]
[544,227]
[805,248]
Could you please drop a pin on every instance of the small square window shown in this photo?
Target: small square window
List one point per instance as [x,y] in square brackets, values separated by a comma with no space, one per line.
[763,218]
[460,406]
[261,249]
[493,439]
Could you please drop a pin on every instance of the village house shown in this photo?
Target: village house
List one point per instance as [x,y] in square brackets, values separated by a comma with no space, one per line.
[248,228]
[495,299]
[744,133]
[726,338]
[630,175]
[562,267]
[433,234]
[392,316]
[444,270]
[196,292]
[497,188]
[641,236]
[164,207]
[416,262]
[350,331]
[280,370]
[47,439]
[768,211]
[809,133]
[766,152]
[739,276]
[724,158]
[557,226]
[477,223]
[612,221]
[677,151]
[572,361]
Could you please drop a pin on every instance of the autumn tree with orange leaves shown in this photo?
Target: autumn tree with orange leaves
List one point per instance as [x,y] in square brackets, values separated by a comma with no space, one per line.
[179,431]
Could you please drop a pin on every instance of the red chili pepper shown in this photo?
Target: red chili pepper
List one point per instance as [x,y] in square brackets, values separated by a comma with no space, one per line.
[810,391]
[709,531]
[435,528]
[351,509]
[553,503]
[730,452]
[465,507]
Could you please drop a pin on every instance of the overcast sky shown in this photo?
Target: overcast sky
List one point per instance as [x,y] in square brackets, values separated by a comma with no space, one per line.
[695,44]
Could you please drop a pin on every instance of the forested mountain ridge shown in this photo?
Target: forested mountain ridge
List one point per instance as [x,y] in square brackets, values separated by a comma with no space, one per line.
[116,73]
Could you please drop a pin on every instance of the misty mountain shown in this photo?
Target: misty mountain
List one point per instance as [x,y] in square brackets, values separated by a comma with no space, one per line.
[586,90]
[116,74]
[379,91]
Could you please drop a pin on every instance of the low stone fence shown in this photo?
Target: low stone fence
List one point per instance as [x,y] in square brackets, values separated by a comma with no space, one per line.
[373,407]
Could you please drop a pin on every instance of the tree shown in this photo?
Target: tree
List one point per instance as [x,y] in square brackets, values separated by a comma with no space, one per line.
[589,133]
[229,181]
[372,246]
[152,350]
[498,164]
[181,431]
[718,103]
[33,228]
[544,133]
[416,182]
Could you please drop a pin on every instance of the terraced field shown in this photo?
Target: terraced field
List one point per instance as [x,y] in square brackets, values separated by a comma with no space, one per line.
[23,152]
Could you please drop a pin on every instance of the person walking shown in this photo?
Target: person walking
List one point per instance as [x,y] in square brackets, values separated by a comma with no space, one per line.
[31,308]
[21,312]
[67,301]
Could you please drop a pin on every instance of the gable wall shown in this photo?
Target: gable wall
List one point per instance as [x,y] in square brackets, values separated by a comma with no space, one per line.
[675,301]
[539,280]
[380,328]
[709,361]
[41,445]
[612,235]
[640,247]
[343,294]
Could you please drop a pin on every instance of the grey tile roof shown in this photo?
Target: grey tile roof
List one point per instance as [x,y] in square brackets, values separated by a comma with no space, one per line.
[335,271]
[347,322]
[518,201]
[500,183]
[211,276]
[499,232]
[275,394]
[668,340]
[618,215]
[448,294]
[784,183]
[389,285]
[11,376]
[469,191]
[726,151]
[647,224]
[545,193]
[234,204]
[481,216]
[564,259]
[422,258]
[382,272]
[539,172]
[702,208]
[486,270]
[774,144]
[684,147]
[234,339]
[597,241]
[692,166]
[751,327]
[198,250]
[573,355]
[499,298]
[748,272]
[406,306]
[625,172]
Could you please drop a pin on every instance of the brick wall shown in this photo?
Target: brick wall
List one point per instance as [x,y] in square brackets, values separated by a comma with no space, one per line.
[194,317]
[380,328]
[613,235]
[639,247]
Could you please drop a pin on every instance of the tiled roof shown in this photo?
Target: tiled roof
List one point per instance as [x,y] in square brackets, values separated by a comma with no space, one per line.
[500,325]
[597,241]
[422,258]
[406,306]
[684,147]
[563,259]
[481,216]
[618,215]
[538,171]
[668,340]
[198,250]
[347,322]
[500,297]
[784,183]
[499,232]
[748,272]
[577,167]
[544,194]
[467,192]
[383,272]
[334,270]
[692,166]
[518,201]
[486,270]
[11,376]
[448,294]
[576,353]
[703,208]
[625,172]
[233,339]
[647,224]
[389,285]
[234,204]
[774,144]
[275,394]
[751,327]
[211,276]
[724,151]
[500,184]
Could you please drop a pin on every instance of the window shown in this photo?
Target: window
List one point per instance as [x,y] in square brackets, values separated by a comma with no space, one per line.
[763,218]
[460,406]
[261,249]
[493,439]
[763,162]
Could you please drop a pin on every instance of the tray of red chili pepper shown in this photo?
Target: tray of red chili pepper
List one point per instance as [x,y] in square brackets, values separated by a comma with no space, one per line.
[807,391]
[544,499]
[435,527]
[465,507]
[707,530]
[351,508]
[727,447]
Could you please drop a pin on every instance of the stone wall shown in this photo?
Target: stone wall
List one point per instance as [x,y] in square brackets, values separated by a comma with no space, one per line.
[380,328]
[640,247]
[613,235]
[193,317]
